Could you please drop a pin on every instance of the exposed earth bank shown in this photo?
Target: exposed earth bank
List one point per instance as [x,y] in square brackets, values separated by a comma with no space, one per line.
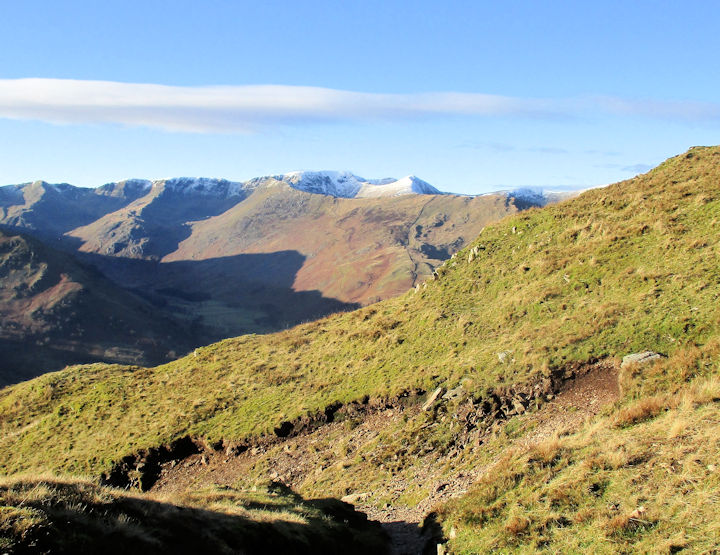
[293,461]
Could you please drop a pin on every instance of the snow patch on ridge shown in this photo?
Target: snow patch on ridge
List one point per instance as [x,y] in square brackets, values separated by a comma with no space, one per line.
[333,183]
[349,185]
[536,196]
[205,186]
[405,186]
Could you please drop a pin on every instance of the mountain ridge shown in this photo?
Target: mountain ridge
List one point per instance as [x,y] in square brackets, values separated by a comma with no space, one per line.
[339,184]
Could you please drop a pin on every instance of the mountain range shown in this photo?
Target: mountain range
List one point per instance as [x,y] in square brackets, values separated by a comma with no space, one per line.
[211,258]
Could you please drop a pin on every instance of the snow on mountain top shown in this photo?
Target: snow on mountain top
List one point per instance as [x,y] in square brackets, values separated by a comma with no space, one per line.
[404,186]
[348,185]
[341,184]
[537,196]
[333,183]
[206,186]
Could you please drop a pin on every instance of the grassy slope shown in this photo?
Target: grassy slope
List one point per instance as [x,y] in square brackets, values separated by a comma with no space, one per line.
[617,270]
[41,515]
[643,478]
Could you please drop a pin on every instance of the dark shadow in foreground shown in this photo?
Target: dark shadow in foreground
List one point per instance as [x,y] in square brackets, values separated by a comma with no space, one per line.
[81,517]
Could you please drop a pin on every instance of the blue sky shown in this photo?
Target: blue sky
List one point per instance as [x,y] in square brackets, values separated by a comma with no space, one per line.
[470,96]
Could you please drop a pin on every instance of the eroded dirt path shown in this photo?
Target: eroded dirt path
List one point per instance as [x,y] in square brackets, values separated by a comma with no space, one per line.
[305,456]
[579,400]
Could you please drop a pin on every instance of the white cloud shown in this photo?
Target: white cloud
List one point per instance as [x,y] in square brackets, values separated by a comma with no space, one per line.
[238,109]
[637,168]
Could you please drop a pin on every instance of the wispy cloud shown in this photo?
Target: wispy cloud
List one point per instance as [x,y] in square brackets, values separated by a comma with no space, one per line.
[637,168]
[238,109]
[631,168]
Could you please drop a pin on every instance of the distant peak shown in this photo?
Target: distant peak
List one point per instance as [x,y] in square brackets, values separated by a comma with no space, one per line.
[526,197]
[345,184]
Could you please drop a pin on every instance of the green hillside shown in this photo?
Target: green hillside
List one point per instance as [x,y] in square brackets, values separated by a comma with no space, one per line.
[627,268]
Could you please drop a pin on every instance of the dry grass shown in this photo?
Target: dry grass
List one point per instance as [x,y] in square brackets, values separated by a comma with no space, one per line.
[644,478]
[70,515]
[641,410]
[546,452]
[516,525]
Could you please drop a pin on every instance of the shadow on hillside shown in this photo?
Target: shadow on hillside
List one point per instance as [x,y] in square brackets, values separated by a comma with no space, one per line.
[166,220]
[226,296]
[192,303]
[408,538]
[82,518]
[21,360]
[57,213]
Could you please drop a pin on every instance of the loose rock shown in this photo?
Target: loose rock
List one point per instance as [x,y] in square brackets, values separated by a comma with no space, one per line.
[433,397]
[453,393]
[354,497]
[640,358]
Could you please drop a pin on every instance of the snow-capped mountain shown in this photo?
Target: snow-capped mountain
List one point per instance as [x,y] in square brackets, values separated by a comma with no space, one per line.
[330,183]
[525,197]
[348,185]
[205,186]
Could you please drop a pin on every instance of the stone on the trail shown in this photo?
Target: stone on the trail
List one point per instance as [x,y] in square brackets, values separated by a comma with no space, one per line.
[503,356]
[640,358]
[453,393]
[354,497]
[433,397]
